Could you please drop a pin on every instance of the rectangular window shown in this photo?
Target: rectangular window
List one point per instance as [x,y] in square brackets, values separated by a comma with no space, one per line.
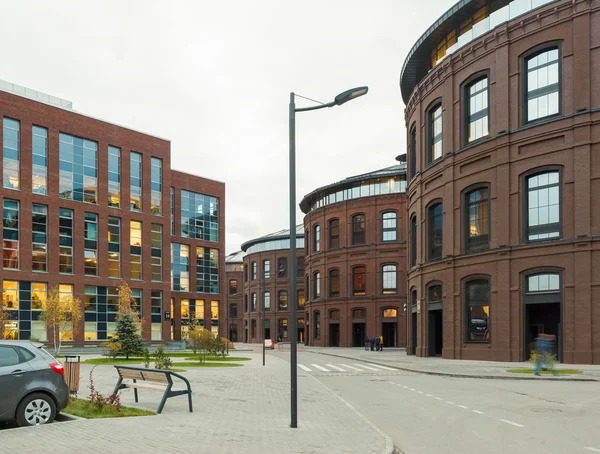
[334,283]
[253,329]
[478,310]
[435,221]
[207,270]
[156,235]
[478,219]
[135,250]
[233,311]
[172,211]
[112,299]
[316,238]
[477,99]
[114,247]
[90,304]
[156,314]
[267,269]
[254,303]
[359,280]
[334,234]
[316,285]
[412,159]
[39,160]
[359,229]
[233,286]
[413,241]
[66,290]
[389,275]
[299,266]
[389,226]
[267,301]
[253,271]
[199,216]
[214,317]
[543,206]
[435,134]
[156,187]
[78,169]
[283,300]
[11,158]
[281,267]
[39,238]
[65,233]
[135,178]
[180,267]
[300,299]
[543,83]
[91,244]
[317,325]
[10,302]
[10,235]
[283,328]
[114,177]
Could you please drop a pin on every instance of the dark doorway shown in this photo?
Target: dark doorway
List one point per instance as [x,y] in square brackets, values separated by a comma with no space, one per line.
[542,318]
[359,331]
[246,335]
[413,332]
[307,341]
[300,334]
[267,331]
[233,333]
[389,333]
[436,340]
[334,335]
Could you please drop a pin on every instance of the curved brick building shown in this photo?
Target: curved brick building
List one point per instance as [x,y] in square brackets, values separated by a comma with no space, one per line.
[503,130]
[267,281]
[234,275]
[355,267]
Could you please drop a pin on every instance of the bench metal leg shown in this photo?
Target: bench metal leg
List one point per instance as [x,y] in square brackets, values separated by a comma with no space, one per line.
[164,398]
[190,400]
[135,391]
[117,388]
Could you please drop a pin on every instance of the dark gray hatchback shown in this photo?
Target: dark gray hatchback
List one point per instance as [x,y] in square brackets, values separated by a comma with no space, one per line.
[32,385]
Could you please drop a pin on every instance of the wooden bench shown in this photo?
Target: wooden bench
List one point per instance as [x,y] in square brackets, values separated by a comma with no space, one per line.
[154,378]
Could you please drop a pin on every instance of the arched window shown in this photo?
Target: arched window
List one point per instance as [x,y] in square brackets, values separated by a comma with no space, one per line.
[434,132]
[316,285]
[334,283]
[476,109]
[334,314]
[434,231]
[389,279]
[306,241]
[389,226]
[359,313]
[543,283]
[283,300]
[266,269]
[412,152]
[542,202]
[390,312]
[542,82]
[413,241]
[253,270]
[477,310]
[359,280]
[434,295]
[282,267]
[316,325]
[334,233]
[359,227]
[307,287]
[477,219]
[316,238]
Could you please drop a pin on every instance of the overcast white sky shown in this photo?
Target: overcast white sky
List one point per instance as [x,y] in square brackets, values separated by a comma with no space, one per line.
[214,77]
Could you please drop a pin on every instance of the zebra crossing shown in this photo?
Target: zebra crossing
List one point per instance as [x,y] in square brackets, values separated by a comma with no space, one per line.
[348,368]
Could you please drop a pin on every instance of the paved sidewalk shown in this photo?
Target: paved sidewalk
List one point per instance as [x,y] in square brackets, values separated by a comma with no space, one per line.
[244,409]
[396,357]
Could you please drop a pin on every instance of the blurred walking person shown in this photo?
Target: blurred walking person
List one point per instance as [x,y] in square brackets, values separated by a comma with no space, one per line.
[545,347]
[380,343]
[367,342]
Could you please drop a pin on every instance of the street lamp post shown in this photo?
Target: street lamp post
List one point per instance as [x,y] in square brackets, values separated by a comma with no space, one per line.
[262,284]
[338,101]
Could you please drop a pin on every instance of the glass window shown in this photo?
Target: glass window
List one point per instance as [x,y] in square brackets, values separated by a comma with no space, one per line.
[214,317]
[413,241]
[477,109]
[135,246]
[78,169]
[306,241]
[39,160]
[389,226]
[11,158]
[543,282]
[266,269]
[156,310]
[180,267]
[334,282]
[281,267]
[39,234]
[543,206]
[254,302]
[334,314]
[283,300]
[172,211]
[299,266]
[434,294]
[114,177]
[91,244]
[434,216]
[283,328]
[199,216]
[253,271]
[334,233]
[156,252]
[267,301]
[317,325]
[478,219]
[477,300]
[316,238]
[435,133]
[359,313]
[359,229]
[316,285]
[412,152]
[359,280]
[66,241]
[135,179]
[114,247]
[390,313]
[542,82]
[300,299]
[156,186]
[233,310]
[389,274]
[233,286]
[10,234]
[9,357]
[207,270]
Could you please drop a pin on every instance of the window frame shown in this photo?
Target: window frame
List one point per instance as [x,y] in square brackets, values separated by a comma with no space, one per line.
[434,304]
[331,237]
[316,285]
[466,305]
[466,102]
[525,202]
[413,241]
[531,53]
[330,280]
[253,270]
[383,229]
[465,217]
[394,291]
[266,272]
[429,112]
[316,229]
[356,292]
[356,234]
[430,230]
[412,151]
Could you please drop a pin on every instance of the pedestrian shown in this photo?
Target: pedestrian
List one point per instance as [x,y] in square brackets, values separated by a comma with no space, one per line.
[377,345]
[367,342]
[279,338]
[380,343]
[544,347]
[372,342]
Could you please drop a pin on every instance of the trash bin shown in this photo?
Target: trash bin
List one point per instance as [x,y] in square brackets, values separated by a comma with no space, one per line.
[72,367]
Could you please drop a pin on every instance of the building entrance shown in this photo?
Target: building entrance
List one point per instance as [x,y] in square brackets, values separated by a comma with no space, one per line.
[300,334]
[436,340]
[359,331]
[334,335]
[413,332]
[389,331]
[542,318]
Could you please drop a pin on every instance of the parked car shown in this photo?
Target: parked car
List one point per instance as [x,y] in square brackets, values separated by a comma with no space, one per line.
[269,343]
[32,384]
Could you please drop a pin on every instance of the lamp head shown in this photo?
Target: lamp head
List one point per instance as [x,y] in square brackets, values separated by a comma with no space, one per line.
[349,95]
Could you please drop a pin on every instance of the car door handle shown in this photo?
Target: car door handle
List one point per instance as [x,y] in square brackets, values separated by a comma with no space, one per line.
[17,372]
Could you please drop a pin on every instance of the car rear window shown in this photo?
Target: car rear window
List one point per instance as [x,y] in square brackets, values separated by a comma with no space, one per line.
[26,354]
[9,357]
[46,354]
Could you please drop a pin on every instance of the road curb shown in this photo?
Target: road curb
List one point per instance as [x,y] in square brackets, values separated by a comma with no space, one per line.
[446,374]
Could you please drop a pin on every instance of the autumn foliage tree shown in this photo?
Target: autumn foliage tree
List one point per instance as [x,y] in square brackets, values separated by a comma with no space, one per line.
[62,314]
[128,320]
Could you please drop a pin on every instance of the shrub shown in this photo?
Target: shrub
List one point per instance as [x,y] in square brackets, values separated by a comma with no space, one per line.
[112,348]
[195,339]
[99,400]
[146,358]
[161,359]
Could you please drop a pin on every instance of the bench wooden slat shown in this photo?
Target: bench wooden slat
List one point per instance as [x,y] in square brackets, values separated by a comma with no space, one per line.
[132,374]
[144,386]
[155,376]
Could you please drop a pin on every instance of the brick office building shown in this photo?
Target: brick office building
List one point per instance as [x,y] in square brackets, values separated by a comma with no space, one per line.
[234,278]
[355,267]
[86,204]
[503,130]
[266,274]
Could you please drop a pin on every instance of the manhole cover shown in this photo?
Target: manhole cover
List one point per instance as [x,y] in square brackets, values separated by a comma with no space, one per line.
[546,410]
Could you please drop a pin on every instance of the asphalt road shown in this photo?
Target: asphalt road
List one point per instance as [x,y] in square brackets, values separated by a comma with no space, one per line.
[432,414]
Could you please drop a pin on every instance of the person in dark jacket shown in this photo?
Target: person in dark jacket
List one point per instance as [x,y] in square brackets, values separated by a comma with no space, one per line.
[544,346]
[367,342]
[372,342]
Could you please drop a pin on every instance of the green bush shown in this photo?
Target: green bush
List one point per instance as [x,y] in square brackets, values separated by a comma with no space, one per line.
[161,359]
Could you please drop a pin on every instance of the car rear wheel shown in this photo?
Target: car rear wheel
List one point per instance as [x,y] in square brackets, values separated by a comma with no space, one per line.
[36,409]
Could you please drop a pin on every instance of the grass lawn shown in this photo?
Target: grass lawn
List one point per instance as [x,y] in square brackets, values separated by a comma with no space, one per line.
[546,372]
[113,361]
[219,358]
[198,364]
[83,409]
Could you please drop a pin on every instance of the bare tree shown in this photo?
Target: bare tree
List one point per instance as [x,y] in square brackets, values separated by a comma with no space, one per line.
[62,314]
